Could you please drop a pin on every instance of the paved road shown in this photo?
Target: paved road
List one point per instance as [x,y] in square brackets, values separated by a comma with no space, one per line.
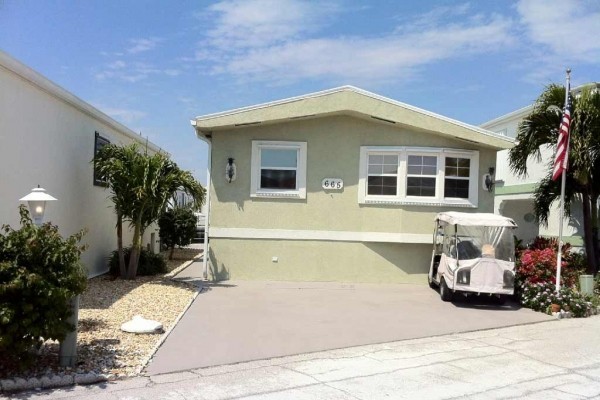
[548,360]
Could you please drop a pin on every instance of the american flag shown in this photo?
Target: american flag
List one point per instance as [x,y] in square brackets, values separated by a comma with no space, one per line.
[561,159]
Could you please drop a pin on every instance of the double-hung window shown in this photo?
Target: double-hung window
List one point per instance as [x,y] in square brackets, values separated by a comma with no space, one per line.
[420,176]
[383,174]
[457,177]
[278,169]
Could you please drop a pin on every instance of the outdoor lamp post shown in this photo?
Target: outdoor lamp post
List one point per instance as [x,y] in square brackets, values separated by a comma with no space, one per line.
[37,203]
[67,353]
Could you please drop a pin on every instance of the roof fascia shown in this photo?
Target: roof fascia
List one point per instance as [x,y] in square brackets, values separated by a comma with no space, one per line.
[228,120]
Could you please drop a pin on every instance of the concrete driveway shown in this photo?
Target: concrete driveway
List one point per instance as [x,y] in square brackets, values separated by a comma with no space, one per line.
[234,322]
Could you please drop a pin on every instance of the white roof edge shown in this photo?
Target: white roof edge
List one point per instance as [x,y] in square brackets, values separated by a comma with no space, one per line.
[528,108]
[359,91]
[35,78]
[510,115]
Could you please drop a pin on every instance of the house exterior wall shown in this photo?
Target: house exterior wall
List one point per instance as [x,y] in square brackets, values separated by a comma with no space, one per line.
[47,137]
[514,194]
[328,235]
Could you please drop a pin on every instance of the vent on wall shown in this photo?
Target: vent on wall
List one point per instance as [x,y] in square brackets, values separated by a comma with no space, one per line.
[303,116]
[383,119]
[248,123]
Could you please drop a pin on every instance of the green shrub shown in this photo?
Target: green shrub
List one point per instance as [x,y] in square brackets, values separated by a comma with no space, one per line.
[177,227]
[39,273]
[149,263]
[541,295]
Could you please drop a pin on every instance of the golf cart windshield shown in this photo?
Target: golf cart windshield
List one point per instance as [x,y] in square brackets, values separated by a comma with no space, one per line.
[485,241]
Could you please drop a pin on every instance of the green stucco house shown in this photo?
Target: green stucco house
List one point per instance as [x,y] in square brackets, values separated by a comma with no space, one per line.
[339,185]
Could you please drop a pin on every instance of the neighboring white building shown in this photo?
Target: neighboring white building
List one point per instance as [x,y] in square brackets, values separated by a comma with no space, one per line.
[513,195]
[48,137]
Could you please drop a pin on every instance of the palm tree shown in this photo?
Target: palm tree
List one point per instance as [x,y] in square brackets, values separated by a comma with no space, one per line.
[141,186]
[112,163]
[539,130]
[161,179]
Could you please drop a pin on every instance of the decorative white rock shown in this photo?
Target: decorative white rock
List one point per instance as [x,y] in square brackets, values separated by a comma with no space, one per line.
[139,324]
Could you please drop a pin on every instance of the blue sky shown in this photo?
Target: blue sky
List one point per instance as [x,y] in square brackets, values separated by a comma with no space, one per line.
[154,65]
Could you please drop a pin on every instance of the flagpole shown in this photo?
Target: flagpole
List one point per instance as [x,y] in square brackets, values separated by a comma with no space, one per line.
[562,191]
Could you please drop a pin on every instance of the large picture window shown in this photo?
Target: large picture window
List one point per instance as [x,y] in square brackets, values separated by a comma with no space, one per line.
[410,175]
[99,142]
[278,169]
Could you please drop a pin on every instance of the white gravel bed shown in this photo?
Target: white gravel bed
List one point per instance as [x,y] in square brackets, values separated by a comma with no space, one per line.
[103,350]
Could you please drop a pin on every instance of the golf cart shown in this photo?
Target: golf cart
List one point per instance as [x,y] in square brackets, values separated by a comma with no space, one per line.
[473,253]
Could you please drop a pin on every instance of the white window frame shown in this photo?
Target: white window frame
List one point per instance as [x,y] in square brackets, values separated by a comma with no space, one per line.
[420,152]
[257,191]
[374,153]
[401,197]
[458,178]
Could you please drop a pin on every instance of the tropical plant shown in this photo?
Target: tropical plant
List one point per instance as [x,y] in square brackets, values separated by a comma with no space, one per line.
[177,227]
[141,186]
[39,273]
[113,163]
[539,131]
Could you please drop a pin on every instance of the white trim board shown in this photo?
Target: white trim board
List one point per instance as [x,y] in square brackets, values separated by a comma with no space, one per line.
[332,236]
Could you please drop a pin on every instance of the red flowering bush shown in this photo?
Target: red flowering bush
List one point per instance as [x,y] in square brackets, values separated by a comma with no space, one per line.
[539,266]
[536,278]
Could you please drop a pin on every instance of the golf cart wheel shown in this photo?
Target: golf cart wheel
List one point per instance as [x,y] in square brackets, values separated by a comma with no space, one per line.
[445,293]
[432,283]
[500,300]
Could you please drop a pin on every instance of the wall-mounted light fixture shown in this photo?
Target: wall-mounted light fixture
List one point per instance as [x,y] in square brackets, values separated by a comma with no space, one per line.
[230,170]
[488,179]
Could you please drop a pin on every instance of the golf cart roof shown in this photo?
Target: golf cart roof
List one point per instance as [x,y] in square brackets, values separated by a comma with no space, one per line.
[475,219]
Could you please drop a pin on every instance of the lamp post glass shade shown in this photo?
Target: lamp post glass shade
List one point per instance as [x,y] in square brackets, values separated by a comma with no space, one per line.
[37,203]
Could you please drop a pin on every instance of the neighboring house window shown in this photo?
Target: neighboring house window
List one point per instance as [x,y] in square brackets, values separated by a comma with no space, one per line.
[99,143]
[278,169]
[420,176]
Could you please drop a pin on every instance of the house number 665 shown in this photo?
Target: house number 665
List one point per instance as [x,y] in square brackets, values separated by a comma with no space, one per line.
[332,184]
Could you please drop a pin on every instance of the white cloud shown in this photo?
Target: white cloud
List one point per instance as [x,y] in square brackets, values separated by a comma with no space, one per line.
[569,29]
[141,45]
[117,65]
[240,43]
[251,23]
[559,34]
[124,115]
[133,72]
